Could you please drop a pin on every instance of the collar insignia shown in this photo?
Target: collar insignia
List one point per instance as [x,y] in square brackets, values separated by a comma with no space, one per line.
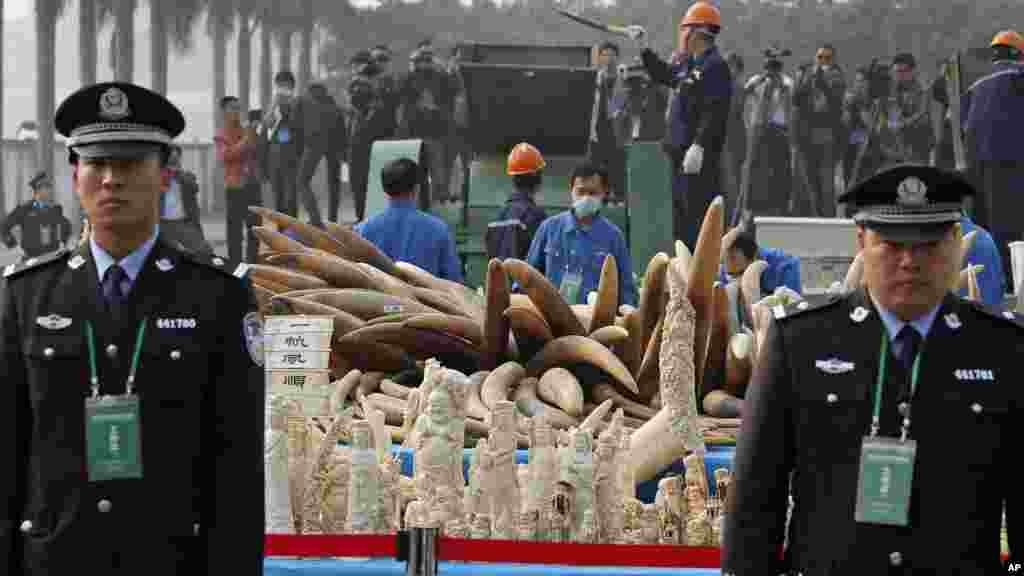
[165,265]
[859,314]
[114,104]
[76,262]
[953,321]
[9,269]
[53,322]
[834,366]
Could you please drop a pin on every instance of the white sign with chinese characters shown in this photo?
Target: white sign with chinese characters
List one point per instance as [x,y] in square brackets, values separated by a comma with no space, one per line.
[298,354]
[310,387]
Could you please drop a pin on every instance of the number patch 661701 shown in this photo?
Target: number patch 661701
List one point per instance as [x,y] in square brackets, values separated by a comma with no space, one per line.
[170,323]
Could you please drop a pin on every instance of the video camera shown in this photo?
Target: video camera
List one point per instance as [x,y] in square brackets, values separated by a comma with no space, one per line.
[879,79]
[773,58]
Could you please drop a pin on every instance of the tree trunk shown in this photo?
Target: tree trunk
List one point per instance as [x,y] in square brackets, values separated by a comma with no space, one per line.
[219,57]
[124,15]
[244,59]
[3,191]
[306,51]
[158,46]
[46,29]
[284,46]
[266,66]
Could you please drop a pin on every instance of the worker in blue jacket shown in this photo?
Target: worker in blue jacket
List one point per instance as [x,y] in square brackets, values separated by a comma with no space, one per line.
[783,269]
[570,248]
[994,108]
[991,282]
[406,234]
[698,115]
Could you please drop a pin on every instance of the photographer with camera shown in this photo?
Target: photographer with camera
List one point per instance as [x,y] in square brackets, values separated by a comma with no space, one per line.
[818,100]
[768,111]
[907,133]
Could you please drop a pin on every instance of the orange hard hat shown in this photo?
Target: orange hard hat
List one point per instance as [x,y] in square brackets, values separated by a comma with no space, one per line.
[702,14]
[524,159]
[1008,38]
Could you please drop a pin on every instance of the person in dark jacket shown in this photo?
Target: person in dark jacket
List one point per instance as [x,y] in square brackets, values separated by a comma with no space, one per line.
[282,130]
[179,207]
[425,100]
[367,122]
[698,115]
[510,234]
[324,137]
[42,223]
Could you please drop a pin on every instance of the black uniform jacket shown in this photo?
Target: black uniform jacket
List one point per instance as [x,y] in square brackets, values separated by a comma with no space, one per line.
[199,507]
[807,417]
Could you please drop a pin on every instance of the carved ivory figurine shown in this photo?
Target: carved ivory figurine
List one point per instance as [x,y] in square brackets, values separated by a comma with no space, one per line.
[698,527]
[649,524]
[670,505]
[504,482]
[576,467]
[528,521]
[607,491]
[362,499]
[299,453]
[543,463]
[278,494]
[481,527]
[319,511]
[561,511]
[437,454]
[471,499]
[723,481]
[588,528]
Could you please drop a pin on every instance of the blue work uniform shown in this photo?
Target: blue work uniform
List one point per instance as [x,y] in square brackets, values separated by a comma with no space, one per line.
[562,245]
[994,109]
[698,114]
[991,281]
[408,235]
[783,270]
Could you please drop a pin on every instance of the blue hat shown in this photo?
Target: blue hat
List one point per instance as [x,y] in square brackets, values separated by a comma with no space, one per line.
[117,120]
[909,203]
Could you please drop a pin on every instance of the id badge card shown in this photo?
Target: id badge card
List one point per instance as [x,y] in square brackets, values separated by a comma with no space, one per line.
[570,287]
[112,438]
[283,136]
[885,479]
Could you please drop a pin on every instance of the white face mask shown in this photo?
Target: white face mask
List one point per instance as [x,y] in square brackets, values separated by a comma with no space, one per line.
[586,206]
[284,92]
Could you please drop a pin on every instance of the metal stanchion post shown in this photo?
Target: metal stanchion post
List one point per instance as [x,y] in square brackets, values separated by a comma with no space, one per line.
[428,549]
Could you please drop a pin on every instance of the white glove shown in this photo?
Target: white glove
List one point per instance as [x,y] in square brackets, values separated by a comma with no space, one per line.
[694,159]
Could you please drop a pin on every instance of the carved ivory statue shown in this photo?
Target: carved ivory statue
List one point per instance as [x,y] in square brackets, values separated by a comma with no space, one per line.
[628,481]
[299,453]
[363,500]
[390,474]
[576,467]
[649,524]
[608,493]
[481,527]
[723,482]
[278,493]
[341,475]
[318,513]
[437,456]
[587,533]
[698,526]
[528,520]
[543,463]
[671,510]
[472,498]
[561,512]
[503,482]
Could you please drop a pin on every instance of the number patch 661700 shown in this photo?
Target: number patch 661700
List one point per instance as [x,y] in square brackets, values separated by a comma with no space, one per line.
[170,323]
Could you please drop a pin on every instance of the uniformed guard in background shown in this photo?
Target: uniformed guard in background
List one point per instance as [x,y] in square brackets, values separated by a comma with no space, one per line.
[995,121]
[44,228]
[698,115]
[132,410]
[892,414]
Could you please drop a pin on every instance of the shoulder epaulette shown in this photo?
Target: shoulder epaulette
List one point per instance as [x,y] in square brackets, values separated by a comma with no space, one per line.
[803,307]
[998,312]
[230,267]
[12,270]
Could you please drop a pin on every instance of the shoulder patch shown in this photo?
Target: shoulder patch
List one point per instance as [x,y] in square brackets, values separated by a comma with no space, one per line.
[229,267]
[13,270]
[997,312]
[805,306]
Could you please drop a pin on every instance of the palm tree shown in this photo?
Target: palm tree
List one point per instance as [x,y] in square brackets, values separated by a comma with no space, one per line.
[122,42]
[47,13]
[246,26]
[170,26]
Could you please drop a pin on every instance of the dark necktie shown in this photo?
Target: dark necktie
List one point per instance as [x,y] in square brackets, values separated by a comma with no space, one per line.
[910,343]
[112,282]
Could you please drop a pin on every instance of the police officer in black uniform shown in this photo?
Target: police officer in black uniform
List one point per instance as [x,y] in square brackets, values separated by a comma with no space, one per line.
[44,228]
[132,411]
[893,414]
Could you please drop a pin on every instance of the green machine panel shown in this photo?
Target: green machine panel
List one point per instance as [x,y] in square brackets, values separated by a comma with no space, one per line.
[649,194]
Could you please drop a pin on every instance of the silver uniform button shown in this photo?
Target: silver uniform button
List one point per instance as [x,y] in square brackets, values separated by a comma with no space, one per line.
[104,505]
[112,351]
[832,398]
[896,559]
[49,352]
[175,354]
[195,529]
[26,526]
[976,408]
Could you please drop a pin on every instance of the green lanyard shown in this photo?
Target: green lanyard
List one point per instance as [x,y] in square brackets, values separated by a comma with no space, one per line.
[94,379]
[883,361]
